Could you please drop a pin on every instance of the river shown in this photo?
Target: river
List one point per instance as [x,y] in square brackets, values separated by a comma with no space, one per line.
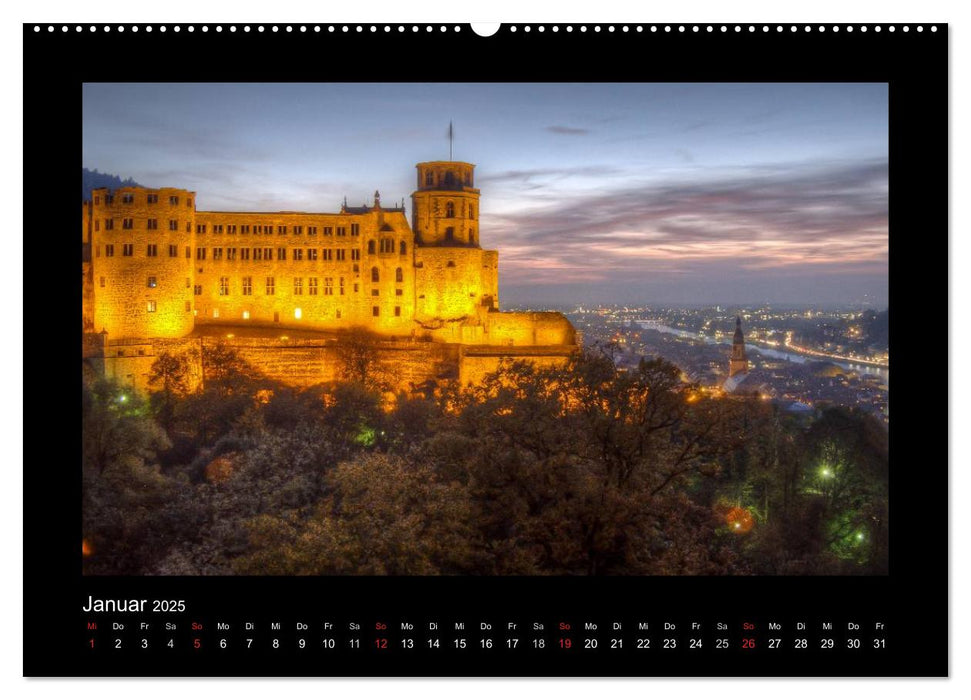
[788,355]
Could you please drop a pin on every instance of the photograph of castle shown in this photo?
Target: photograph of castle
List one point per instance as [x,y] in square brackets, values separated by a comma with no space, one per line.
[643,337]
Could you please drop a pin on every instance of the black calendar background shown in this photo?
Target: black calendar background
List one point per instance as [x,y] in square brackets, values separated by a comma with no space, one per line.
[911,600]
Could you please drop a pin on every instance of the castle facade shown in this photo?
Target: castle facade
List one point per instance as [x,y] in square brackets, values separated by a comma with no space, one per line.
[156,269]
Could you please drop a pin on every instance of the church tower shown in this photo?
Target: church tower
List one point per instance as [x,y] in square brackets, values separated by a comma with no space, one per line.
[738,363]
[445,205]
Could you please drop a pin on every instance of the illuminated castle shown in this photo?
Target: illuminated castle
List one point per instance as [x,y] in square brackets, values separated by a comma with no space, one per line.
[157,270]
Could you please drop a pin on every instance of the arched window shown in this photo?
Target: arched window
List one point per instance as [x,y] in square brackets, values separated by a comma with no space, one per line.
[449,179]
[450,234]
[375,275]
[399,275]
[429,179]
[450,210]
[471,211]
[403,248]
[370,247]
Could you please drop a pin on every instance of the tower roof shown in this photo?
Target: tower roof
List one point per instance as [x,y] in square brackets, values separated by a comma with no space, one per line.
[739,337]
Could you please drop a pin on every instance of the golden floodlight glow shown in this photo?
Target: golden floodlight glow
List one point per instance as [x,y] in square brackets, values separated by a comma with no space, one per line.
[297,313]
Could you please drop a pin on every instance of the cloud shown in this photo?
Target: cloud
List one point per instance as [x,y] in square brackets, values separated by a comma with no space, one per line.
[520,176]
[567,130]
[827,218]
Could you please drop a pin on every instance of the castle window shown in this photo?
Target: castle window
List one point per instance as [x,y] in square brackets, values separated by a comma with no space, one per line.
[109,224]
[375,292]
[355,229]
[341,230]
[397,311]
[109,199]
[356,267]
[188,252]
[200,228]
[429,179]
[244,253]
[338,313]
[188,227]
[399,292]
[97,200]
[341,254]
[370,247]
[127,199]
[244,228]
[217,253]
[188,306]
[281,253]
[399,275]
[231,228]
[328,230]
[312,286]
[151,307]
[471,211]
[328,253]
[297,230]
[375,275]
[342,286]
[128,223]
[246,315]
[197,290]
[328,286]
[97,224]
[270,286]
[298,254]
[450,210]
[188,283]
[215,313]
[375,310]
[152,250]
[101,281]
[311,230]
[188,202]
[355,254]
[152,282]
[173,200]
[450,234]
[471,235]
[356,287]
[173,251]
[297,313]
[450,179]
[403,248]
[173,224]
[257,253]
[230,253]
[128,249]
[268,253]
[311,253]
[200,253]
[153,199]
[282,230]
[223,286]
[298,286]
[153,224]
[247,286]
[387,245]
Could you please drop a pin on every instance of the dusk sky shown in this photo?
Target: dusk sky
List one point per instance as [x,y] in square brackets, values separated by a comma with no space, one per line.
[592,193]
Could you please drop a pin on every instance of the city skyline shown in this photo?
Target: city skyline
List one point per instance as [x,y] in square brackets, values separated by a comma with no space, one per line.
[592,193]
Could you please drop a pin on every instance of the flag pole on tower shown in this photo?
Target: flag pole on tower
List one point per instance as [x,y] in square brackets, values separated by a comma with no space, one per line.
[451,135]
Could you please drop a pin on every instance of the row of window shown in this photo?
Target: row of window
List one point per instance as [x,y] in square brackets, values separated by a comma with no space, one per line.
[150,224]
[297,314]
[129,198]
[268,230]
[450,210]
[246,285]
[297,254]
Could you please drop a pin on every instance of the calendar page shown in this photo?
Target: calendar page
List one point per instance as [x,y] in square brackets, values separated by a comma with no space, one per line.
[424,350]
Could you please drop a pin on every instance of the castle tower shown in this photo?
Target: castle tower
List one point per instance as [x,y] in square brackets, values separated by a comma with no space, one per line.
[738,364]
[445,207]
[142,266]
